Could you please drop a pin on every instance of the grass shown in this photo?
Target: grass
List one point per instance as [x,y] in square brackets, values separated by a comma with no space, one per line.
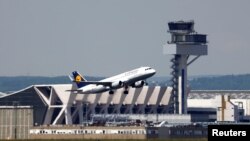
[171,139]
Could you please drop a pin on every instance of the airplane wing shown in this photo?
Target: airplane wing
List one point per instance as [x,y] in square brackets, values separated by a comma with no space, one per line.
[95,82]
[75,90]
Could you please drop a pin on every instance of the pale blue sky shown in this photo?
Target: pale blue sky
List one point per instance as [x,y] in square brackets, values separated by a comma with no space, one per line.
[106,37]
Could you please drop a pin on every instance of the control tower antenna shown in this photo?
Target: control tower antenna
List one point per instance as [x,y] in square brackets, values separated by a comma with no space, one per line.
[184,43]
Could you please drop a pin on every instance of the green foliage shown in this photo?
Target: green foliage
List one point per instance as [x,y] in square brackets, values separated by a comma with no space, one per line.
[171,139]
[20,82]
[16,83]
[227,82]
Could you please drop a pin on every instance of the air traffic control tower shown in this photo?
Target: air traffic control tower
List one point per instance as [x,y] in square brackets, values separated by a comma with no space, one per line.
[184,43]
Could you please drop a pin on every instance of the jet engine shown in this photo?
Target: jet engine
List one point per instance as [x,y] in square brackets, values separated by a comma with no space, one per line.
[138,84]
[117,84]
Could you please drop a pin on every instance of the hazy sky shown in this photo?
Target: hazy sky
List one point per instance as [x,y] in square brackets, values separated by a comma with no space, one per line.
[106,37]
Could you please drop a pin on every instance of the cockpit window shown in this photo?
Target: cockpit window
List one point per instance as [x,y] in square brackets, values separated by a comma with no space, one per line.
[148,69]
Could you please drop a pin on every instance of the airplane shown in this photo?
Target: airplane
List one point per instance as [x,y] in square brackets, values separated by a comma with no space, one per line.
[134,78]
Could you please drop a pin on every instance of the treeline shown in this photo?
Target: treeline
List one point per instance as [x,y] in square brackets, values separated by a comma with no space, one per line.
[8,84]
[227,82]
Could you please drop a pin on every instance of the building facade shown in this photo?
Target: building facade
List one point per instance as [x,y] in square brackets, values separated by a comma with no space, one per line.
[53,104]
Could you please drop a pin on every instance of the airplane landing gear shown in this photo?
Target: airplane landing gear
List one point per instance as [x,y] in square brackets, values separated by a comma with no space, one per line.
[125,92]
[111,92]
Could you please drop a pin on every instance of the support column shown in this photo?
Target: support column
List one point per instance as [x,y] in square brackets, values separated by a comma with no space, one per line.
[182,83]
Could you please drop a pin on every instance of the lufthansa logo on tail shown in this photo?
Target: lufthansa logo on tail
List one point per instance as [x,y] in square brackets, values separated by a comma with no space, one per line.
[78,78]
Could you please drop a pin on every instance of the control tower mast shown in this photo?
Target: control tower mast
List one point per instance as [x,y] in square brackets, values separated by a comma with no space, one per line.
[184,43]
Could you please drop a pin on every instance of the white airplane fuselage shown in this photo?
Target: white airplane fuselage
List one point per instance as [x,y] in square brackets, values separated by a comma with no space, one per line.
[134,78]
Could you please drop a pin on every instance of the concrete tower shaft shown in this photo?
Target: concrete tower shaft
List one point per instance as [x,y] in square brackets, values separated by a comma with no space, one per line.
[184,43]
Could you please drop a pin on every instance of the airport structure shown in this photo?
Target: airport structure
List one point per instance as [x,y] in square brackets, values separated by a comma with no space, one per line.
[184,43]
[43,105]
[52,111]
[53,104]
[2,94]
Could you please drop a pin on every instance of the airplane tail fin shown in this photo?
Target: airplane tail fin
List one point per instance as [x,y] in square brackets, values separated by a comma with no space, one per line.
[78,79]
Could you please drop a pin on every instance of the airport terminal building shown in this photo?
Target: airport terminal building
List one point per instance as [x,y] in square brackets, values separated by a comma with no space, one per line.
[48,105]
[53,104]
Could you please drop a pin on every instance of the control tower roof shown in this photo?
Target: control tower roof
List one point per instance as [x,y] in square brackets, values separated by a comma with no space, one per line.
[181,27]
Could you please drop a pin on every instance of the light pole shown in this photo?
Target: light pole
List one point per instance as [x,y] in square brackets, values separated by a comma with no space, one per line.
[15,104]
[86,112]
